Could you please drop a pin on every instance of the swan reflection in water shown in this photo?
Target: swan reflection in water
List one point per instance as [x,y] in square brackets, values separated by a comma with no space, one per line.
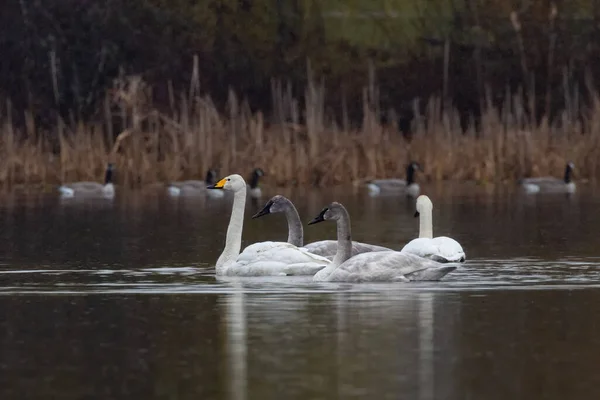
[338,344]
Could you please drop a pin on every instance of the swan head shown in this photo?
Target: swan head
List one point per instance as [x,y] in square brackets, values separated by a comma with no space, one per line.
[333,211]
[233,183]
[277,204]
[423,204]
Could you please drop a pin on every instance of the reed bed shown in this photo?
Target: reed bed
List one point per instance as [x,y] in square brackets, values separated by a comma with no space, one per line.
[299,144]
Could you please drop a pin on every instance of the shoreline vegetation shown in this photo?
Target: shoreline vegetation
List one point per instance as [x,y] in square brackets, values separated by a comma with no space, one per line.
[315,92]
[304,146]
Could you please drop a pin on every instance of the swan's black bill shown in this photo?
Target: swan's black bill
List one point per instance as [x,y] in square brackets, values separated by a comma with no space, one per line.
[417,214]
[319,218]
[266,210]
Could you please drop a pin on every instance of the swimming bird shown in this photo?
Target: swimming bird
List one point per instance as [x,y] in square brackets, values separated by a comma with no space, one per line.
[253,188]
[262,258]
[90,189]
[195,187]
[550,184]
[397,186]
[324,248]
[376,266]
[442,248]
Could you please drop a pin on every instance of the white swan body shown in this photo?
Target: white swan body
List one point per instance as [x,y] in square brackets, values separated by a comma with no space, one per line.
[195,187]
[90,189]
[442,248]
[259,259]
[324,248]
[379,266]
[550,184]
[397,186]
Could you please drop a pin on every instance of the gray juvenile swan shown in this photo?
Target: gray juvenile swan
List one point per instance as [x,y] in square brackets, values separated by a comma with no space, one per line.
[397,186]
[324,248]
[378,266]
[262,258]
[90,189]
[550,184]
[195,187]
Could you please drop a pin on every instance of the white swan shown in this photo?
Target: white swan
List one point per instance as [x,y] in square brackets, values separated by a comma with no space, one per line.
[253,188]
[195,187]
[324,248]
[263,258]
[90,189]
[397,186]
[442,249]
[377,266]
[550,184]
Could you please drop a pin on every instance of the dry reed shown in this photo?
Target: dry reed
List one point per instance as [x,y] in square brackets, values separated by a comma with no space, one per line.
[303,146]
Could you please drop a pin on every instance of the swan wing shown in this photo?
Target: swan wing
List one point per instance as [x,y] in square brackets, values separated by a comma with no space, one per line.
[328,248]
[273,268]
[280,252]
[441,249]
[387,266]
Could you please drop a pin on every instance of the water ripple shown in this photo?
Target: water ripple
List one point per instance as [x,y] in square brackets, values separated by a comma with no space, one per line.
[475,275]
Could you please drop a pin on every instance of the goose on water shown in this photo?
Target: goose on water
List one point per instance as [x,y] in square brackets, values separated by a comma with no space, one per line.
[549,184]
[253,187]
[376,266]
[397,186]
[442,248]
[195,187]
[324,248]
[262,258]
[90,189]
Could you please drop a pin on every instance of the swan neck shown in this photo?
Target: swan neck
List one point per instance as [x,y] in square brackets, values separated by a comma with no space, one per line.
[344,235]
[425,224]
[233,241]
[295,229]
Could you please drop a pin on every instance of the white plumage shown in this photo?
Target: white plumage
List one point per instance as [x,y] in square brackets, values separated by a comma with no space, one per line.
[263,258]
[379,266]
[442,248]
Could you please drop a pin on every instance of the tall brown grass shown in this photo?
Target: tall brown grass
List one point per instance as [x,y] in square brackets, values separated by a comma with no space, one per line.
[302,145]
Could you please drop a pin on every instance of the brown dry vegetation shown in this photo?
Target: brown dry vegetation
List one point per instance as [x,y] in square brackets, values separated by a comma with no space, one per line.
[154,146]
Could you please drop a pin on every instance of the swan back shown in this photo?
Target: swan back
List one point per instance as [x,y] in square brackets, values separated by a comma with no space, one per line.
[386,266]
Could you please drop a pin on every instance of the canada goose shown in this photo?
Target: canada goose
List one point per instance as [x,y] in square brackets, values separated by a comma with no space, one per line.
[263,258]
[195,187]
[442,248]
[376,266]
[253,188]
[90,189]
[550,184]
[323,248]
[397,186]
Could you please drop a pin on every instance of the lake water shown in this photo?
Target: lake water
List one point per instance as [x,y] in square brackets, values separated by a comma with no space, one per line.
[118,299]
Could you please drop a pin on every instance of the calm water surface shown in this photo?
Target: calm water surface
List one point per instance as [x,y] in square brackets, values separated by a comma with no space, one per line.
[118,299]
